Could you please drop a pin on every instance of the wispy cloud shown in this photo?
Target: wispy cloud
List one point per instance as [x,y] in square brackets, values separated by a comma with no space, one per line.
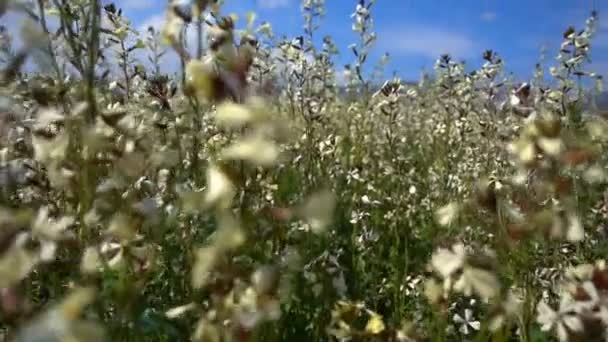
[428,42]
[488,16]
[273,4]
[136,4]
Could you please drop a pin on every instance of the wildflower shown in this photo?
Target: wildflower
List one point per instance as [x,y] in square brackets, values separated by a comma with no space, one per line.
[180,310]
[220,189]
[229,234]
[122,227]
[16,263]
[254,308]
[447,214]
[447,262]
[525,151]
[575,230]
[565,321]
[201,79]
[466,322]
[48,232]
[456,265]
[233,115]
[254,149]
[318,210]
[551,146]
[50,142]
[62,322]
[478,280]
[206,258]
[172,26]
[374,325]
[266,29]
[91,261]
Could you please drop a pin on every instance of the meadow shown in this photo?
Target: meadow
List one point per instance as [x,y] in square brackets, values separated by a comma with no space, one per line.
[256,196]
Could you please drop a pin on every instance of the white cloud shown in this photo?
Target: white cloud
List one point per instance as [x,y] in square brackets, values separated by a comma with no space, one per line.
[428,42]
[273,4]
[155,21]
[488,16]
[136,4]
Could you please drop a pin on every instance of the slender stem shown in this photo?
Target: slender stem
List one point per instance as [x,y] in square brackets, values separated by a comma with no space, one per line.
[44,26]
[125,70]
[183,54]
[156,56]
[69,35]
[199,37]
[95,12]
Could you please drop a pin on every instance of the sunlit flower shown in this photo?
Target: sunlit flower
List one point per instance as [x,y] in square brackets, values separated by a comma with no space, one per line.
[220,189]
[255,149]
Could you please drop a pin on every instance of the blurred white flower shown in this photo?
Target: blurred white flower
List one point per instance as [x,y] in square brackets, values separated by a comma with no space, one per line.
[255,150]
[446,262]
[220,189]
[563,321]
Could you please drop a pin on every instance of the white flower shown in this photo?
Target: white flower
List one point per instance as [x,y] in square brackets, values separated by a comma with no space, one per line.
[446,262]
[91,261]
[467,322]
[318,210]
[62,323]
[220,189]
[205,261]
[447,214]
[575,229]
[551,146]
[15,264]
[180,310]
[563,321]
[230,114]
[46,228]
[477,280]
[49,232]
[255,149]
[50,143]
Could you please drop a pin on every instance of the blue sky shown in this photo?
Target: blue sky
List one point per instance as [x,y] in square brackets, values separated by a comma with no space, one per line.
[415,32]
